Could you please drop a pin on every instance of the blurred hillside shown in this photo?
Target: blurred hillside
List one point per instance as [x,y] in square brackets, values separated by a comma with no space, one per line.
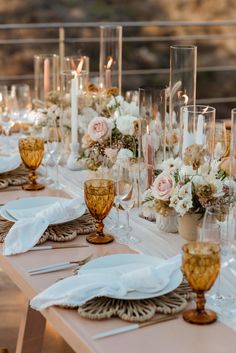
[18,59]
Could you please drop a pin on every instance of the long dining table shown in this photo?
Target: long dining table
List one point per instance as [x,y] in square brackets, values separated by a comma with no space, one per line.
[172,336]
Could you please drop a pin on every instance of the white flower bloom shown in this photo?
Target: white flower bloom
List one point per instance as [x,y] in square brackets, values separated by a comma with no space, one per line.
[54,112]
[125,124]
[183,206]
[171,164]
[231,184]
[124,153]
[187,170]
[66,117]
[204,169]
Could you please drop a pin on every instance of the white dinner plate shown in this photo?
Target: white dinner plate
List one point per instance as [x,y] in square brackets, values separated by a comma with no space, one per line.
[9,163]
[122,259]
[28,207]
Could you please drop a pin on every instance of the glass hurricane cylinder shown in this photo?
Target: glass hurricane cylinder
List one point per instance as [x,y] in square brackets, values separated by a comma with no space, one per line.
[46,76]
[197,126]
[152,149]
[183,64]
[232,167]
[79,64]
[110,61]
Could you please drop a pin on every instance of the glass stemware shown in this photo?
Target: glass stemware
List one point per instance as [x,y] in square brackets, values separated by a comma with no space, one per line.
[20,95]
[55,147]
[215,228]
[99,197]
[127,198]
[7,117]
[31,152]
[201,265]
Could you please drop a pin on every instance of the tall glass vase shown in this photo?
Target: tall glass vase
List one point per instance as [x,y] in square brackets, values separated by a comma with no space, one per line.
[183,64]
[46,77]
[152,144]
[110,61]
[232,168]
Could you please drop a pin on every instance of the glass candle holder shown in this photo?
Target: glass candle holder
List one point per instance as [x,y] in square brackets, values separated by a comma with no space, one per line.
[80,65]
[46,76]
[152,109]
[183,64]
[197,126]
[232,167]
[110,61]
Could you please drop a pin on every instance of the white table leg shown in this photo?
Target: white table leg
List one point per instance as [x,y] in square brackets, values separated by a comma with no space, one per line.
[31,332]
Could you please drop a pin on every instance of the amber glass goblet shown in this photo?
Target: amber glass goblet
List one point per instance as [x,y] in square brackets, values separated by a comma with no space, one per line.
[32,152]
[99,197]
[201,265]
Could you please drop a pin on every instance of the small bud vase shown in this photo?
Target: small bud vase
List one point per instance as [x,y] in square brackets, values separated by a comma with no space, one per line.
[168,223]
[188,225]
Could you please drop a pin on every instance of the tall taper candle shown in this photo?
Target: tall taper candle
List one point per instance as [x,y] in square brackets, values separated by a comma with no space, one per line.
[74,110]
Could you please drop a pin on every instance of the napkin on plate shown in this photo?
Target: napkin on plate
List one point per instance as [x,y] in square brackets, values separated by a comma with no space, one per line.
[9,162]
[115,281]
[26,232]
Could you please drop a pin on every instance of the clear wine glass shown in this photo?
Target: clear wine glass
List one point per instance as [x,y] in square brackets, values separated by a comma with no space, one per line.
[55,149]
[215,229]
[21,97]
[7,118]
[127,198]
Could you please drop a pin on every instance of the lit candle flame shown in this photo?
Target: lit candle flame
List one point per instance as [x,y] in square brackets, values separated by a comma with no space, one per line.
[205,110]
[110,62]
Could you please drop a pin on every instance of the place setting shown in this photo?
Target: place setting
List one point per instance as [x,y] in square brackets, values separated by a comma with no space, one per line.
[42,218]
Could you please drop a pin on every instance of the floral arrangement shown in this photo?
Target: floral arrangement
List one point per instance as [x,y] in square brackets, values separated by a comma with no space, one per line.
[113,135]
[107,124]
[190,186]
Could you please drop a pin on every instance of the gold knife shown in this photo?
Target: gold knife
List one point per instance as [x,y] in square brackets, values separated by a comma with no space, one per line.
[134,326]
[58,246]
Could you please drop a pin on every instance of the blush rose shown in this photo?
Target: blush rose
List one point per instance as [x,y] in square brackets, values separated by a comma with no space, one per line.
[163,186]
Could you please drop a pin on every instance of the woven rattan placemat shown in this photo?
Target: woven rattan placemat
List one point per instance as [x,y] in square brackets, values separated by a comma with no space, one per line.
[58,233]
[14,179]
[136,310]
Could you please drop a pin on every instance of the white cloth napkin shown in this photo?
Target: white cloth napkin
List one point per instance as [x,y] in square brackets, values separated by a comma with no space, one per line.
[25,233]
[8,162]
[113,281]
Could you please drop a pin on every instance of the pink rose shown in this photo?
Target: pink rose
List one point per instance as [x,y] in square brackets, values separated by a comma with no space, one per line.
[163,186]
[98,129]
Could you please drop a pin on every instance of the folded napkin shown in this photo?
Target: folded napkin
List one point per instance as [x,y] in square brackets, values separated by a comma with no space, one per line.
[9,162]
[26,232]
[115,281]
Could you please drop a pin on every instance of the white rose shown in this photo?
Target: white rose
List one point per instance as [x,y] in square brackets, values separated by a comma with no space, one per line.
[124,153]
[125,124]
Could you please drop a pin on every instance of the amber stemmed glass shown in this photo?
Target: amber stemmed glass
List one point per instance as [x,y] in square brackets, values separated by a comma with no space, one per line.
[99,197]
[32,152]
[201,265]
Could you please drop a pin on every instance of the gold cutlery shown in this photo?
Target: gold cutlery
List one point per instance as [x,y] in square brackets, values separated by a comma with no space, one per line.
[132,327]
[58,246]
[59,266]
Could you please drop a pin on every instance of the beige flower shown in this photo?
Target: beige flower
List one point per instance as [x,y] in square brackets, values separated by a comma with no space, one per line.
[206,192]
[194,156]
[87,141]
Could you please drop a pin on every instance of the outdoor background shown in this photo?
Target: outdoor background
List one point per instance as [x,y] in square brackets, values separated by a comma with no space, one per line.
[149,52]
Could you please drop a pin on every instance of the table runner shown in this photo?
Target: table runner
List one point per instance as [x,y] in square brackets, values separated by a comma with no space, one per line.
[152,241]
